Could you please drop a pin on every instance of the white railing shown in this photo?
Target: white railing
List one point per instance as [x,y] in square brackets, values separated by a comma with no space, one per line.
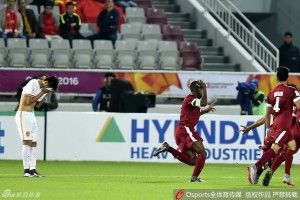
[244,31]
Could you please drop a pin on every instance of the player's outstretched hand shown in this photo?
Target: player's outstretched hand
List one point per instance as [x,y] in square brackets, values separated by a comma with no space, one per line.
[210,108]
[245,129]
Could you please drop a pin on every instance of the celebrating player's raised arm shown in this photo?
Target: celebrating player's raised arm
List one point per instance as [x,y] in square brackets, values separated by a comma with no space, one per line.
[256,124]
[204,93]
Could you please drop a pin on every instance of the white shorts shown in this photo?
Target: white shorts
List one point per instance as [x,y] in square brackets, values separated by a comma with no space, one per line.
[27,126]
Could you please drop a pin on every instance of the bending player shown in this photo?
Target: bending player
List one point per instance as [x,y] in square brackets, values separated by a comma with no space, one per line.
[32,95]
[191,147]
[280,103]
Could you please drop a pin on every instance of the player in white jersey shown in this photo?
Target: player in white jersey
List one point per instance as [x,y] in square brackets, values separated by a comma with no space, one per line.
[32,96]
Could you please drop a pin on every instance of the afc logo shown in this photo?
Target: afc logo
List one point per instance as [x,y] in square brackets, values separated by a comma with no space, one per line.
[1,135]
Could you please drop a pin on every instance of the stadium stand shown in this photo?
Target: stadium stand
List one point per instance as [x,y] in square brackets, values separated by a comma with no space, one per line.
[39,55]
[168,55]
[61,53]
[82,53]
[104,54]
[165,22]
[135,15]
[126,54]
[191,59]
[17,52]
[3,53]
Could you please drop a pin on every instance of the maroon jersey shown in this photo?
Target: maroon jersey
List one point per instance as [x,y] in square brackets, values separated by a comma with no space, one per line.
[189,115]
[281,100]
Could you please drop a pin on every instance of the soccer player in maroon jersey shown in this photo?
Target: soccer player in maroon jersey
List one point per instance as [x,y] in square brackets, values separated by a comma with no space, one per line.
[280,102]
[191,147]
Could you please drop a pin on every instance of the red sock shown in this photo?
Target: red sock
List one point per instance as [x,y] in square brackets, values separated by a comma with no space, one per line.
[180,156]
[277,162]
[265,158]
[200,161]
[288,161]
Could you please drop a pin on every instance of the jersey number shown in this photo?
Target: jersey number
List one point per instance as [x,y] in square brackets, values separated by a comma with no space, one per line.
[276,107]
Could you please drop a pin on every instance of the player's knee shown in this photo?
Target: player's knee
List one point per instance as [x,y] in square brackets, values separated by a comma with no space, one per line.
[204,154]
[276,148]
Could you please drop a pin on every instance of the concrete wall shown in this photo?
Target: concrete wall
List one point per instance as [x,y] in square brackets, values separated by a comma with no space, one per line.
[285,17]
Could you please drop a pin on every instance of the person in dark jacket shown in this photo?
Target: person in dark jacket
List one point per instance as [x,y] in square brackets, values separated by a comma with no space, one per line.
[70,23]
[30,24]
[107,21]
[103,95]
[289,54]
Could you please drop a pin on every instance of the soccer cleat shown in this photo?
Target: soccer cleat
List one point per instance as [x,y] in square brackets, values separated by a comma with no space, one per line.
[255,181]
[27,173]
[196,179]
[164,147]
[287,180]
[252,176]
[267,178]
[34,173]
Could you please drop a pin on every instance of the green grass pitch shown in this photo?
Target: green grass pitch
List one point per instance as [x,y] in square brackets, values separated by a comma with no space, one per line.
[127,181]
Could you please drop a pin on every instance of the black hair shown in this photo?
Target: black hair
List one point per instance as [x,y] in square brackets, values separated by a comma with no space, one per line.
[282,74]
[48,3]
[288,34]
[194,85]
[109,74]
[69,4]
[52,82]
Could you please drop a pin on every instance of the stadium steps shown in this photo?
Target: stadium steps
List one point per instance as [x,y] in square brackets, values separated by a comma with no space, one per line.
[213,58]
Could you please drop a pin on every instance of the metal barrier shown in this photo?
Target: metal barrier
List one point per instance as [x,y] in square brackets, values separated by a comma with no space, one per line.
[244,31]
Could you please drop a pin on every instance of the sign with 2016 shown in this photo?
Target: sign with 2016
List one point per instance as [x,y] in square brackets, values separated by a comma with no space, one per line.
[164,83]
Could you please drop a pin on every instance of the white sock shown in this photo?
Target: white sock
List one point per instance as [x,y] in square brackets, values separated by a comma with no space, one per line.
[33,158]
[26,154]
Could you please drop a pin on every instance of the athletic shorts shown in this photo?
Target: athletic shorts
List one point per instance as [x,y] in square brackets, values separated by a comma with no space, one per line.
[185,137]
[281,137]
[27,126]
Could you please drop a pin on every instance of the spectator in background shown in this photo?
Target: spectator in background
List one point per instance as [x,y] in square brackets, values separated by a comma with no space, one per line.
[70,24]
[48,23]
[107,21]
[30,28]
[11,25]
[103,95]
[258,99]
[289,54]
[125,4]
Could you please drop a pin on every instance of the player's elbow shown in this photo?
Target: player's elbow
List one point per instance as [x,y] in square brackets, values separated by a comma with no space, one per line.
[203,104]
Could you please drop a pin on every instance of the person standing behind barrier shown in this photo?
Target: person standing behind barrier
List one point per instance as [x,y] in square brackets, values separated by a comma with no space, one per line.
[289,55]
[258,102]
[103,95]
[107,21]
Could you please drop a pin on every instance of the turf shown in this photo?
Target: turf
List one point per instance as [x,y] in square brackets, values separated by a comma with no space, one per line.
[114,180]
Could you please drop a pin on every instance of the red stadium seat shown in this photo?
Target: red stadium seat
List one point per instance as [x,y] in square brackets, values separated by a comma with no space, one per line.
[191,59]
[144,4]
[156,16]
[173,33]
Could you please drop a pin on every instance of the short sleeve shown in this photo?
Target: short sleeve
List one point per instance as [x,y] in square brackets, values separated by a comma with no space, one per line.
[31,88]
[268,101]
[295,96]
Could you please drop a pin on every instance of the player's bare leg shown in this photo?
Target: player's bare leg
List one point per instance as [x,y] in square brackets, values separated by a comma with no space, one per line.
[198,148]
[188,157]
